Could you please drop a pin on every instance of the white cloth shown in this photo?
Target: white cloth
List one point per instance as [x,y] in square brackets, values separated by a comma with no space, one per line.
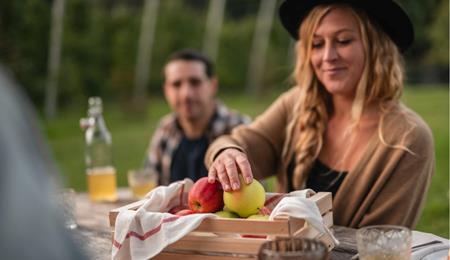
[144,233]
[296,204]
[435,251]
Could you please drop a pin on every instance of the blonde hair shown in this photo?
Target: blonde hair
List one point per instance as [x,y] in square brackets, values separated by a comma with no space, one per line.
[381,82]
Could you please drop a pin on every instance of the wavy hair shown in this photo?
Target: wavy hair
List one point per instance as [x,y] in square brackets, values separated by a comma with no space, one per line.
[381,83]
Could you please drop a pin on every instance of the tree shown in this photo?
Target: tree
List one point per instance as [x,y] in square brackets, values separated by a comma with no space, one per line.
[54,58]
[439,36]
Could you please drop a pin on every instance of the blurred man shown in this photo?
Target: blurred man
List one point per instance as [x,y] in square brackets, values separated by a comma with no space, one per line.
[181,139]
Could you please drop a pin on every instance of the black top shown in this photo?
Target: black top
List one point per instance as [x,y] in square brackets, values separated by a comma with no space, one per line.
[320,178]
[187,161]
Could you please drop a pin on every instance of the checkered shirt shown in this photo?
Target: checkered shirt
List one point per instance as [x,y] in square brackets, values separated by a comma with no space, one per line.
[168,135]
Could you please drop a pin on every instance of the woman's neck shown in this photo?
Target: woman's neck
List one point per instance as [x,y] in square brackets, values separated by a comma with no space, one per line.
[342,110]
[342,107]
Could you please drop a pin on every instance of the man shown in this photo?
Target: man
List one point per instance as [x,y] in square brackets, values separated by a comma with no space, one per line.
[181,139]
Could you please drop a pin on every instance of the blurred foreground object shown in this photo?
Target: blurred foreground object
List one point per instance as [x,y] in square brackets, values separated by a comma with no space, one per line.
[384,242]
[293,248]
[101,174]
[29,221]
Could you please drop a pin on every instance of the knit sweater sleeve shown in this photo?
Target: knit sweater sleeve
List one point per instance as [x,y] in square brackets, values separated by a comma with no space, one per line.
[262,140]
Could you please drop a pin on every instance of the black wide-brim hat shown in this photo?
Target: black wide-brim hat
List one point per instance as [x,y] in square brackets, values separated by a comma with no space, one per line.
[388,14]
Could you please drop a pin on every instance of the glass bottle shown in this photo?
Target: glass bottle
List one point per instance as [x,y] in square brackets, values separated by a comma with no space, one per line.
[100,172]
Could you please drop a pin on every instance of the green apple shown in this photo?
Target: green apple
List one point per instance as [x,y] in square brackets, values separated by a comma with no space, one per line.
[226,214]
[258,217]
[247,200]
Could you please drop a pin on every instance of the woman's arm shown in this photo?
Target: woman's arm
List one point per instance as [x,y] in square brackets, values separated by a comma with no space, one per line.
[257,148]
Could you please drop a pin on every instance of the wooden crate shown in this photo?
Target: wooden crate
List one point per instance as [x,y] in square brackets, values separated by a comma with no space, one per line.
[221,238]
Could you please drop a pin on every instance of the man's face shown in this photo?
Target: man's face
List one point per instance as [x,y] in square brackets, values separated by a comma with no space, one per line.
[188,90]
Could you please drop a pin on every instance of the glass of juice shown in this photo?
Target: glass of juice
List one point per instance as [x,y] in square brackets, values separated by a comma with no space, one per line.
[102,183]
[142,181]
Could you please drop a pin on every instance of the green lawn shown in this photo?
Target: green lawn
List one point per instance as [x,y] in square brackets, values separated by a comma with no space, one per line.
[131,136]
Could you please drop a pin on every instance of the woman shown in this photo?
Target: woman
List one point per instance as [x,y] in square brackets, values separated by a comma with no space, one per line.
[342,127]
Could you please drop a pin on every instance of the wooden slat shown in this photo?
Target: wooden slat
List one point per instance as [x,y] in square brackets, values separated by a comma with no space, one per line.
[309,232]
[219,244]
[328,219]
[244,226]
[323,201]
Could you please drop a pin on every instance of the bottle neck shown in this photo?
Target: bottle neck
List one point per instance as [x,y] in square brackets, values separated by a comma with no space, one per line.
[98,129]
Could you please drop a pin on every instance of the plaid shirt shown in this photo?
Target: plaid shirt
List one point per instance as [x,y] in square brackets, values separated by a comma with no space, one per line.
[168,135]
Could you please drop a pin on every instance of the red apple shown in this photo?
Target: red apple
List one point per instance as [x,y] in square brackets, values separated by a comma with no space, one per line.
[184,212]
[205,197]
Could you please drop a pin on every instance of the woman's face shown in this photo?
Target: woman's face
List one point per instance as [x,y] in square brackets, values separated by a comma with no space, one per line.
[337,53]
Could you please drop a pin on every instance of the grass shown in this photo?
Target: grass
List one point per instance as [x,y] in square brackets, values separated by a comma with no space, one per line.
[433,106]
[131,135]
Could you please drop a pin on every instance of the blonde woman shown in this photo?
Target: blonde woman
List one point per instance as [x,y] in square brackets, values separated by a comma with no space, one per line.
[342,127]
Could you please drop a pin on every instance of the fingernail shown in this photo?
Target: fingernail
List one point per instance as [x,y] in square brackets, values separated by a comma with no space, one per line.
[210,180]
[226,187]
[249,180]
[235,186]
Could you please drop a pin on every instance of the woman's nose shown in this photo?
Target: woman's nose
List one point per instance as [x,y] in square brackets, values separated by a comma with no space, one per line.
[330,53]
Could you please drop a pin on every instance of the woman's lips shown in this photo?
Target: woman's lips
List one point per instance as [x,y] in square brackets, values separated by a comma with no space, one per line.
[333,71]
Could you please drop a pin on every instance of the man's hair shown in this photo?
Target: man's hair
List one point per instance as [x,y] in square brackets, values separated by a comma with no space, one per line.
[193,55]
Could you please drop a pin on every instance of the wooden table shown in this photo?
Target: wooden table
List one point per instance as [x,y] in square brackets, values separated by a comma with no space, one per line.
[94,234]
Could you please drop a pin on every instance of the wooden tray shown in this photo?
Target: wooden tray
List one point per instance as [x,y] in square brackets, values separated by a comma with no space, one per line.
[221,238]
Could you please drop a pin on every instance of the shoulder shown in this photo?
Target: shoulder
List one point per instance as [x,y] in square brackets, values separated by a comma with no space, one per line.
[230,116]
[283,107]
[406,127]
[167,122]
[290,96]
[167,125]
[288,99]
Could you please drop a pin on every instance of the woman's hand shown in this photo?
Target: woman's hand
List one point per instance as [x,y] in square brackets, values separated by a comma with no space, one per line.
[226,168]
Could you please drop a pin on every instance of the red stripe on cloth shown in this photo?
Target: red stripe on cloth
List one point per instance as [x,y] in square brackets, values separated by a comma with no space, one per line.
[117,244]
[147,234]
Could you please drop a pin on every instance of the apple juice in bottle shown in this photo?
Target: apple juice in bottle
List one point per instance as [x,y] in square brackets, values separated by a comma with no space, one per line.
[100,172]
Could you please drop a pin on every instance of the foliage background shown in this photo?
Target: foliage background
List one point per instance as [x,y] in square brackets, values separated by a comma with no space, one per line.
[100,45]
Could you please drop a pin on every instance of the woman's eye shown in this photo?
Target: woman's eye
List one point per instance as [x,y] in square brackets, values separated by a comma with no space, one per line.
[344,41]
[316,45]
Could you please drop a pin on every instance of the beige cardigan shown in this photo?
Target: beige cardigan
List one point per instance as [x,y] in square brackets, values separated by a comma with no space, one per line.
[387,186]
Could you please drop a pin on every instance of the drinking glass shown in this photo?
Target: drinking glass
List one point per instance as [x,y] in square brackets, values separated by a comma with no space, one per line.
[141,181]
[293,248]
[384,242]
[67,204]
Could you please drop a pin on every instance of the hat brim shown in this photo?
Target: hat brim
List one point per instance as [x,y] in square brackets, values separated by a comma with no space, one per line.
[391,17]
